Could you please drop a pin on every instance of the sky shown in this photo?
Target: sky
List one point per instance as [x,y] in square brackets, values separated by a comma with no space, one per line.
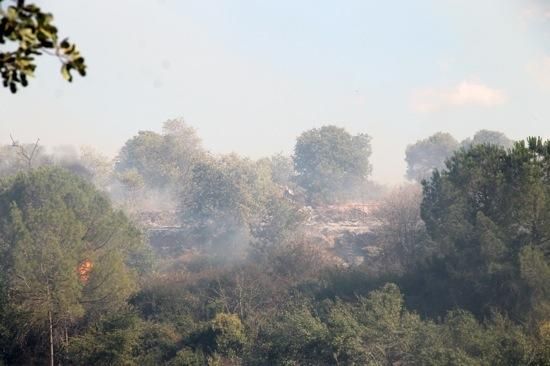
[251,76]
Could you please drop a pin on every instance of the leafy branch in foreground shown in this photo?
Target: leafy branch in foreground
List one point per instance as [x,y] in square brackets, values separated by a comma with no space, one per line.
[31,32]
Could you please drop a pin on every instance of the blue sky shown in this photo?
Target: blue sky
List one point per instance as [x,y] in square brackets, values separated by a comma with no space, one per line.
[252,75]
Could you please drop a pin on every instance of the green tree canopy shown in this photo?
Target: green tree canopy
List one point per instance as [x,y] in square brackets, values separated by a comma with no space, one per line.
[227,194]
[64,252]
[162,160]
[488,214]
[329,159]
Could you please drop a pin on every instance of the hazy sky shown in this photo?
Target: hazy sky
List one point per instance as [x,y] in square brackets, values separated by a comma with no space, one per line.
[252,75]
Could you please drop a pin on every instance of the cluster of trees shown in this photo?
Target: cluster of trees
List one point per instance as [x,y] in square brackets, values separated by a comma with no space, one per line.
[223,202]
[164,171]
[328,163]
[488,216]
[476,236]
[426,156]
[199,324]
[462,276]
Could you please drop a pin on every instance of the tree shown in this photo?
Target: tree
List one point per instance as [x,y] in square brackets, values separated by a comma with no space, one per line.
[328,160]
[67,253]
[31,33]
[228,334]
[124,339]
[282,169]
[226,195]
[88,164]
[400,233]
[164,160]
[488,137]
[19,157]
[295,336]
[25,154]
[110,341]
[279,224]
[132,183]
[98,166]
[487,213]
[373,330]
[429,154]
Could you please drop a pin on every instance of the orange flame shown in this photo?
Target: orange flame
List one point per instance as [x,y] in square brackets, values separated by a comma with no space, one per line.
[84,269]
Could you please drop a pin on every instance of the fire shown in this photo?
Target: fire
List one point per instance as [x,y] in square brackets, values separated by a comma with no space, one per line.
[84,269]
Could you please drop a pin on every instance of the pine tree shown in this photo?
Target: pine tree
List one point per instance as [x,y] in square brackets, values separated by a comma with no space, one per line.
[67,253]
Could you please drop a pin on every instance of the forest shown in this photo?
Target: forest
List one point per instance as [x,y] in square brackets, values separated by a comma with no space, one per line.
[172,255]
[172,252]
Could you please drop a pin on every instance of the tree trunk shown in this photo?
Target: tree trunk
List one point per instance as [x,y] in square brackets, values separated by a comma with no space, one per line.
[50,325]
[51,337]
[66,335]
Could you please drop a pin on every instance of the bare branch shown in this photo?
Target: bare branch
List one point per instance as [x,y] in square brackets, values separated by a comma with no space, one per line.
[23,151]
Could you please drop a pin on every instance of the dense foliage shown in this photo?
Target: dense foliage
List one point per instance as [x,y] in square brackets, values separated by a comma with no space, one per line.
[66,258]
[488,215]
[460,274]
[329,161]
[161,160]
